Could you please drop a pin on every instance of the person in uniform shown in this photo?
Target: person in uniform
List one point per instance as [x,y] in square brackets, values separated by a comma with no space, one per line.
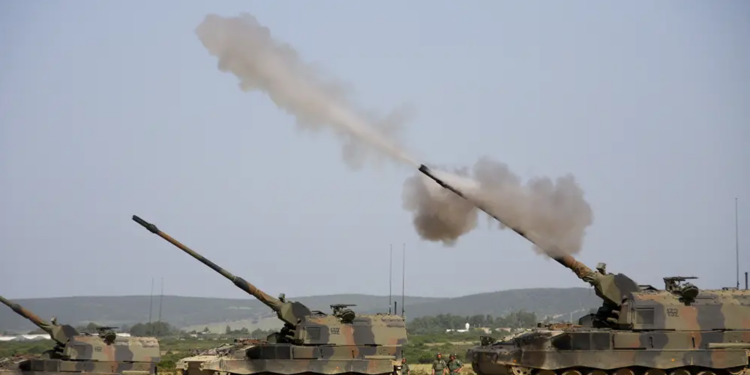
[454,365]
[404,367]
[439,366]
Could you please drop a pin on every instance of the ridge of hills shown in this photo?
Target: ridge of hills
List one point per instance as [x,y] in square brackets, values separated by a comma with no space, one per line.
[216,313]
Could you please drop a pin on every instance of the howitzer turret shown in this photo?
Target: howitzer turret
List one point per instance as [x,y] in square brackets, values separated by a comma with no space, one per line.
[638,330]
[311,341]
[75,352]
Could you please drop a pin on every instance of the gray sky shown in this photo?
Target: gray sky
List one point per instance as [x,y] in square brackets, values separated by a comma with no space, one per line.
[110,110]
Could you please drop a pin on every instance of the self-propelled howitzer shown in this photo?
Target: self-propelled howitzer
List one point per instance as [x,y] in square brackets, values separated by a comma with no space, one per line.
[310,341]
[638,330]
[74,352]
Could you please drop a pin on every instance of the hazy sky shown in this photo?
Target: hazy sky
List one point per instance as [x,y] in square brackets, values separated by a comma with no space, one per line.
[111,109]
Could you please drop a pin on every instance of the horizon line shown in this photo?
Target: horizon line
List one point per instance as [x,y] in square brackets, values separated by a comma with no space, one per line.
[250,298]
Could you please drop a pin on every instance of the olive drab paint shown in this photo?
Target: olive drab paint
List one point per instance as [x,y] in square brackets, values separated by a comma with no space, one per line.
[638,330]
[310,341]
[75,352]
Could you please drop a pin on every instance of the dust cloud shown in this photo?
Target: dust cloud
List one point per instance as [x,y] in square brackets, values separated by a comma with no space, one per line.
[553,212]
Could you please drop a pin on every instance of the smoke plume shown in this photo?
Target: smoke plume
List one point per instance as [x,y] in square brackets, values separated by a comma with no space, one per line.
[553,212]
[439,214]
[246,49]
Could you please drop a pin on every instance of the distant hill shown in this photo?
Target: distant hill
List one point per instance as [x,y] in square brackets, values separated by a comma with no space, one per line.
[216,313]
[176,310]
[541,301]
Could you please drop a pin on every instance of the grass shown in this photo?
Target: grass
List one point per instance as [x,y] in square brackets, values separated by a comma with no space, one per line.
[422,349]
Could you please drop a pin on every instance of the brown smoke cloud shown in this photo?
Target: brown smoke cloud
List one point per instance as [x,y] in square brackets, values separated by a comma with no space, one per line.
[438,213]
[555,212]
[246,49]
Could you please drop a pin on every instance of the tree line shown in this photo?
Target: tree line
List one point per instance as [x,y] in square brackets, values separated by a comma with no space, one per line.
[443,322]
[423,325]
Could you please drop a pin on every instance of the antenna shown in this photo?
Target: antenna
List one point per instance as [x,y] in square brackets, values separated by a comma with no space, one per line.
[403,280]
[737,240]
[151,305]
[161,297]
[390,283]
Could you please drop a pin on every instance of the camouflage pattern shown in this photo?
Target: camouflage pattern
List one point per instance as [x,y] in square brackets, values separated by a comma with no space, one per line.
[638,330]
[192,365]
[310,341]
[75,352]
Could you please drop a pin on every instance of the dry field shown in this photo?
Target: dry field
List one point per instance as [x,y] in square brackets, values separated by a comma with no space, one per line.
[426,369]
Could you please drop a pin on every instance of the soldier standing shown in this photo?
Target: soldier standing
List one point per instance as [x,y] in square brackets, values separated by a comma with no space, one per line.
[439,366]
[404,367]
[454,365]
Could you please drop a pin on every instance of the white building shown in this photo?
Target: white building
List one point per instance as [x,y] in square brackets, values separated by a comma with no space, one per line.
[459,330]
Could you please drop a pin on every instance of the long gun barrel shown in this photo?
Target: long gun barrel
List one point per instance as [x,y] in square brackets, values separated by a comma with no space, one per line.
[269,301]
[20,310]
[60,333]
[580,269]
[611,288]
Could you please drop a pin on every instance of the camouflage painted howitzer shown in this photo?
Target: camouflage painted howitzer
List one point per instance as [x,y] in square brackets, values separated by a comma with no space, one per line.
[75,352]
[638,330]
[310,342]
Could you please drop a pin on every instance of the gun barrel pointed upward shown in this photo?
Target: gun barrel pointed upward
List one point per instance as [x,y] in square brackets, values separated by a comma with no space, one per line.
[274,303]
[611,288]
[568,261]
[20,310]
[59,333]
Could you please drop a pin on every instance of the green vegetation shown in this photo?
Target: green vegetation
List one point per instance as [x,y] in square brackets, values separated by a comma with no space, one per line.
[437,340]
[196,313]
[427,337]
[423,348]
[13,348]
[441,323]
